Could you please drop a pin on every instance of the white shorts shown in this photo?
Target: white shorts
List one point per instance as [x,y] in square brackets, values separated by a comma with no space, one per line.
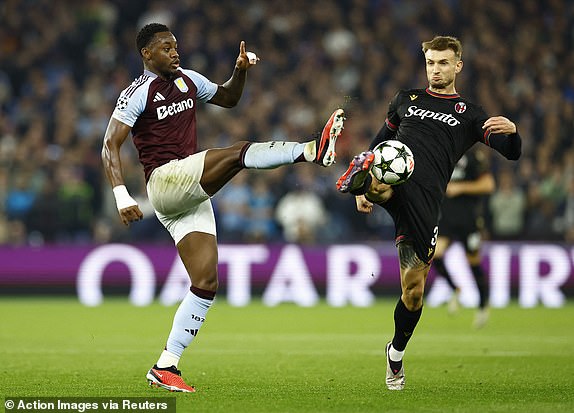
[180,203]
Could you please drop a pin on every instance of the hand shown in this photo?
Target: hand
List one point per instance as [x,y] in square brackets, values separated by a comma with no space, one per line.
[453,189]
[500,125]
[130,214]
[242,62]
[363,204]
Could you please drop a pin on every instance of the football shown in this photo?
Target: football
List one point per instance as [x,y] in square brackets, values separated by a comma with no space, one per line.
[394,162]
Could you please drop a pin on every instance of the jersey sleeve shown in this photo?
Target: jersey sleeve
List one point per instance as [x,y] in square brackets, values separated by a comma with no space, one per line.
[131,104]
[482,135]
[393,120]
[206,89]
[391,125]
[510,146]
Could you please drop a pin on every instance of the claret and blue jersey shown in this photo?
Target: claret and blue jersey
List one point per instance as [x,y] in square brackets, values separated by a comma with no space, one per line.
[162,115]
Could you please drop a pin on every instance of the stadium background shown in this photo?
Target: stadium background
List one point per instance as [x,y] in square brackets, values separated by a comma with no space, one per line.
[63,65]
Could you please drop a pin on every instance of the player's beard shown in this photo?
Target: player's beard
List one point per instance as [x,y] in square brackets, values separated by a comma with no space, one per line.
[169,74]
[441,84]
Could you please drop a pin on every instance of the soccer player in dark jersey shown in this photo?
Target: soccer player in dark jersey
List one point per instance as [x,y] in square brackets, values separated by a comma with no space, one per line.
[462,220]
[158,108]
[439,126]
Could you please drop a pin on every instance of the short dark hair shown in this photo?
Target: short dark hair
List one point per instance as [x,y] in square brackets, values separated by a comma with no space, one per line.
[444,43]
[147,33]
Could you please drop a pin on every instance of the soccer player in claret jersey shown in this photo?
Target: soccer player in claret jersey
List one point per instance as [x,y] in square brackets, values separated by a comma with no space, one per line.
[462,220]
[158,108]
[439,126]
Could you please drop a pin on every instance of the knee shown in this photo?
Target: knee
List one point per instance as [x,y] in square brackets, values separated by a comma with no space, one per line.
[207,280]
[204,274]
[208,285]
[413,299]
[198,252]
[413,293]
[379,192]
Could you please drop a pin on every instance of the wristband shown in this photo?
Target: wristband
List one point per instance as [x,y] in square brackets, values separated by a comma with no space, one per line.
[123,198]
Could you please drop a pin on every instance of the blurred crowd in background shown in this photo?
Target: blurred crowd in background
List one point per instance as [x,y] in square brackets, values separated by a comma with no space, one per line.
[63,65]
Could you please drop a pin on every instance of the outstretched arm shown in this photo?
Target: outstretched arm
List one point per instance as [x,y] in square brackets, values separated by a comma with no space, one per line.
[116,134]
[387,132]
[391,125]
[503,137]
[230,92]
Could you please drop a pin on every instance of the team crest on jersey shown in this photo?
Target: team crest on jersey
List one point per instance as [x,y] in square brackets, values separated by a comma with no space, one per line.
[460,107]
[181,85]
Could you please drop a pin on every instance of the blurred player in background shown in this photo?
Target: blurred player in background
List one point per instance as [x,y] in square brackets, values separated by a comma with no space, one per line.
[158,108]
[439,126]
[462,220]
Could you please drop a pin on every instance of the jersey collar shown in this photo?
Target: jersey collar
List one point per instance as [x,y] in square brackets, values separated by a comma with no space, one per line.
[153,75]
[442,96]
[149,73]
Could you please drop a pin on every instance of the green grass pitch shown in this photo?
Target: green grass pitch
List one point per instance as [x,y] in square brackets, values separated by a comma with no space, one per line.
[292,359]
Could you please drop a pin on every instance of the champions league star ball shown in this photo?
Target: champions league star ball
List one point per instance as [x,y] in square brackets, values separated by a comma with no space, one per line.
[394,162]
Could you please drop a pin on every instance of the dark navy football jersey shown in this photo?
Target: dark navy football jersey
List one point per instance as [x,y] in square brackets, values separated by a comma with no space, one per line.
[438,129]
